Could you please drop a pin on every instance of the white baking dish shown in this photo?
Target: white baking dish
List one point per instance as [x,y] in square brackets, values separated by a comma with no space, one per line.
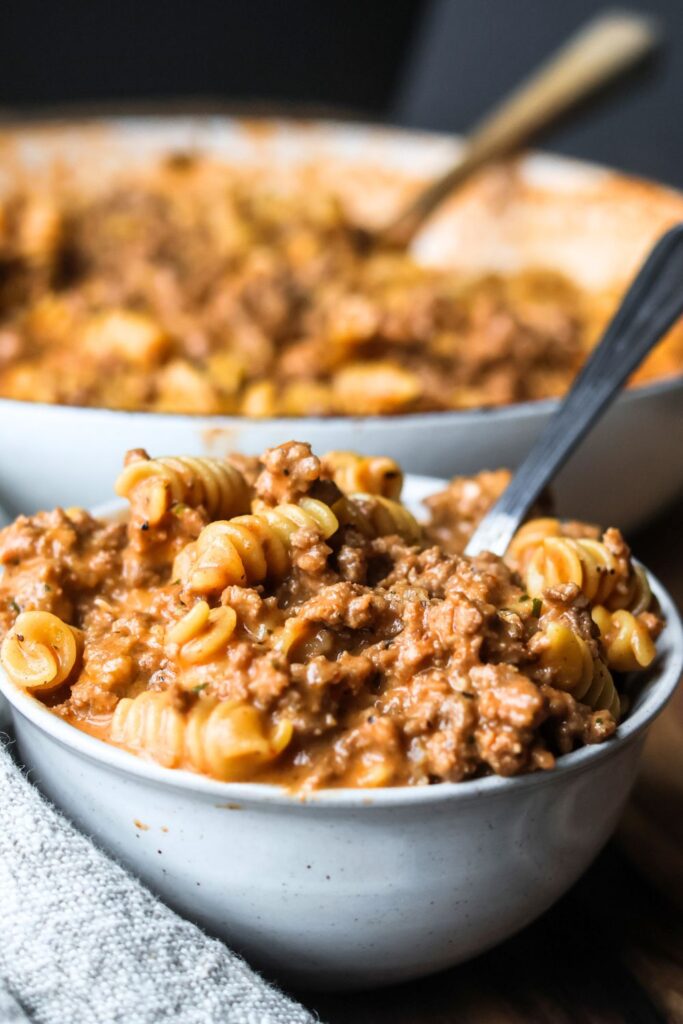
[593,224]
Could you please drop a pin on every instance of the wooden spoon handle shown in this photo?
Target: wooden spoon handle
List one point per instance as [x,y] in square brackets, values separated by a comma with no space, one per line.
[601,50]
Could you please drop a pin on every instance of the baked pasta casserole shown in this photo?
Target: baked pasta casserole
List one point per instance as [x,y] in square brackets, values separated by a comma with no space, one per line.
[289,620]
[198,288]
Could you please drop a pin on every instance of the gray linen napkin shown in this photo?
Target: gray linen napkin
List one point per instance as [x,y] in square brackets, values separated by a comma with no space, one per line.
[10,1012]
[83,942]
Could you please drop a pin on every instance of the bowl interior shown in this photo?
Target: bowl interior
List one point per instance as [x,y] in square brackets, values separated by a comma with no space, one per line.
[586,221]
[650,697]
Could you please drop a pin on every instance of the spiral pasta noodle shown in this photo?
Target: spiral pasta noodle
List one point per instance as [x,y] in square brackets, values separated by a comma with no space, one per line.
[291,634]
[633,594]
[587,563]
[201,634]
[322,637]
[153,486]
[376,516]
[368,474]
[225,739]
[602,693]
[247,549]
[545,557]
[526,541]
[576,671]
[627,642]
[40,651]
[300,640]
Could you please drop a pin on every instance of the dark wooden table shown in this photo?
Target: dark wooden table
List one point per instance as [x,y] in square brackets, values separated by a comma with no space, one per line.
[611,952]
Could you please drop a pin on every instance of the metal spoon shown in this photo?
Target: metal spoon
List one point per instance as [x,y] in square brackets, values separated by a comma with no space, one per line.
[651,305]
[604,48]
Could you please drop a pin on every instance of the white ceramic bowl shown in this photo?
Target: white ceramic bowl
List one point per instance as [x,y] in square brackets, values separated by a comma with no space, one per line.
[350,888]
[588,222]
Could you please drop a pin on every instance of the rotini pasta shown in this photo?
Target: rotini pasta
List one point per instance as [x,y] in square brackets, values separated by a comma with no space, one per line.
[385,387]
[602,694]
[153,486]
[587,563]
[122,332]
[628,644]
[225,739]
[201,634]
[247,549]
[376,516]
[301,641]
[290,635]
[321,639]
[545,554]
[575,670]
[40,651]
[528,539]
[367,474]
[632,592]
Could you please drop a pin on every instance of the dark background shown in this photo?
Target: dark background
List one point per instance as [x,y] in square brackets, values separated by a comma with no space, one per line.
[611,950]
[432,63]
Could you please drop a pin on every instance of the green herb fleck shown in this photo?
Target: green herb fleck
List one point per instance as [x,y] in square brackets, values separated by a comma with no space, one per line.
[536,607]
[14,606]
[199,687]
[525,597]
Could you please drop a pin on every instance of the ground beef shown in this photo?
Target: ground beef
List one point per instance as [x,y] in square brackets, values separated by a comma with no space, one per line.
[193,286]
[392,662]
[288,473]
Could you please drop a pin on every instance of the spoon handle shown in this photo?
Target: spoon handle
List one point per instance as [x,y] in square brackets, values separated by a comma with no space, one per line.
[651,305]
[605,47]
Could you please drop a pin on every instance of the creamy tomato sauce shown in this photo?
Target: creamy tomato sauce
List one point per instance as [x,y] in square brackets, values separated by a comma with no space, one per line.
[198,288]
[366,653]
